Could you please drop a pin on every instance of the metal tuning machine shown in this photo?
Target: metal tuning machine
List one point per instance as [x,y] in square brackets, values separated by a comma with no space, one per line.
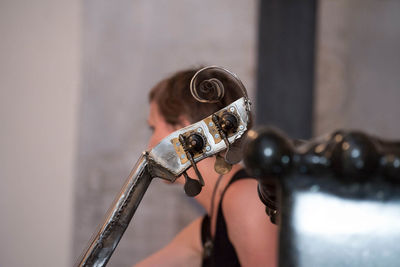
[192,144]
[186,147]
[219,132]
[228,124]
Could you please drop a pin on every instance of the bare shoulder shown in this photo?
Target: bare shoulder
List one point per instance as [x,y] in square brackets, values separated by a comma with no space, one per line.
[242,206]
[249,228]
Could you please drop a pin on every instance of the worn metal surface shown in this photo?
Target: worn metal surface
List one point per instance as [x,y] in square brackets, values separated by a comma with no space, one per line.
[118,217]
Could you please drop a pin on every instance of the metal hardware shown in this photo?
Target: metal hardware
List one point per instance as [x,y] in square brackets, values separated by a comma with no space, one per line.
[221,166]
[192,145]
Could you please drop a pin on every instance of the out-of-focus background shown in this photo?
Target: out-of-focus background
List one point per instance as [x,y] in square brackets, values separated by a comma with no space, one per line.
[74,79]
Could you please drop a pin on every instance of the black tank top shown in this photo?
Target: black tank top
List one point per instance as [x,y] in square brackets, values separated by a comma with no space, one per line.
[220,251]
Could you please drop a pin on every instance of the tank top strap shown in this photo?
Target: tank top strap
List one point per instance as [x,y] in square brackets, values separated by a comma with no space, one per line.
[206,240]
[205,229]
[219,251]
[205,223]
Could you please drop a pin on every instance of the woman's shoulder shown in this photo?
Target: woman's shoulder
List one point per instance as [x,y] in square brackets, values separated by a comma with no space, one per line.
[240,201]
[249,227]
[241,197]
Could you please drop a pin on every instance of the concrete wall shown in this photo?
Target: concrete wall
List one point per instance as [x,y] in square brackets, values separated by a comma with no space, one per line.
[128,46]
[358,67]
[39,79]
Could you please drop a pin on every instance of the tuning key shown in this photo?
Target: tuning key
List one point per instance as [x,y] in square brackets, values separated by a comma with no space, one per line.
[192,187]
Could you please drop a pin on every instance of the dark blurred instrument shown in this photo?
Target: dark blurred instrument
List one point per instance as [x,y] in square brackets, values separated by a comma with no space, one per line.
[336,199]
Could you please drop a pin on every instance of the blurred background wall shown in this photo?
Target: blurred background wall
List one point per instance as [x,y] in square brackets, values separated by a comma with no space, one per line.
[358,67]
[74,79]
[40,59]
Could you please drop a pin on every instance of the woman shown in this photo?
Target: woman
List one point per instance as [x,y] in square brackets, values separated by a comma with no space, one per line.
[236,230]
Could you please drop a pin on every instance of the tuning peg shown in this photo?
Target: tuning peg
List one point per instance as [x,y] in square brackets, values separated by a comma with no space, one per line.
[221,166]
[192,187]
[226,124]
[235,153]
[194,143]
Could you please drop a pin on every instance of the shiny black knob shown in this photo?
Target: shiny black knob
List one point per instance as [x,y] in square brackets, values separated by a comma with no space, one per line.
[267,152]
[355,156]
[229,122]
[391,166]
[195,143]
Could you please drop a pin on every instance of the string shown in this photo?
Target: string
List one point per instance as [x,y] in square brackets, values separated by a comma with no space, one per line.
[209,244]
[213,198]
